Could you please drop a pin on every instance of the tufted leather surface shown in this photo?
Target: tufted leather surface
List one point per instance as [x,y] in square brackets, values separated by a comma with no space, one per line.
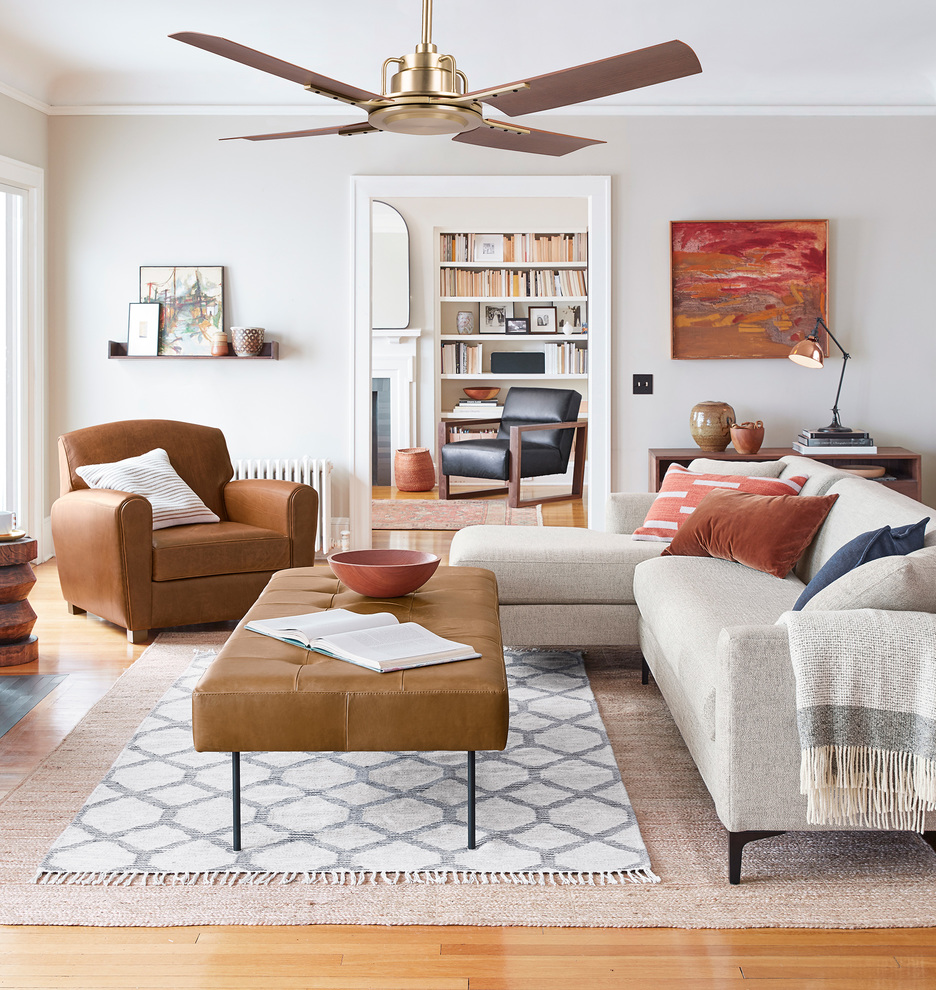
[264,695]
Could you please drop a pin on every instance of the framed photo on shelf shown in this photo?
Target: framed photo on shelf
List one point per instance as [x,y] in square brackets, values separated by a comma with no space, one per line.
[494,317]
[143,330]
[747,288]
[489,248]
[517,324]
[192,301]
[570,317]
[543,319]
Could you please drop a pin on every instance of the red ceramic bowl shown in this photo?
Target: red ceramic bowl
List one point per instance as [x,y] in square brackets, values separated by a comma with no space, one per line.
[383,573]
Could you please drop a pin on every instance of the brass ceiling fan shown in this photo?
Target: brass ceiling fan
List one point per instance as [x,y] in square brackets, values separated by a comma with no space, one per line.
[427,94]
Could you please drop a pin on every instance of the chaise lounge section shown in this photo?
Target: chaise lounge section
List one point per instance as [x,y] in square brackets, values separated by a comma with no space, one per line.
[707,629]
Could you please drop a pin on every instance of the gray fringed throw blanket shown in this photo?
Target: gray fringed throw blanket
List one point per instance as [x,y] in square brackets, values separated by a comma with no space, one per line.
[866,713]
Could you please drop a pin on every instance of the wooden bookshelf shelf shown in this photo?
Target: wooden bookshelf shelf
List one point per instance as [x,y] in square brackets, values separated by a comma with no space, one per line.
[118,349]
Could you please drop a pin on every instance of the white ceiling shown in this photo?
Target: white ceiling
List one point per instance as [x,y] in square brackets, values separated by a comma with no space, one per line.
[777,54]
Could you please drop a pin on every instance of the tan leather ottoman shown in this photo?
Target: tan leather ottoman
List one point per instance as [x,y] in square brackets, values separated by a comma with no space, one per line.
[261,695]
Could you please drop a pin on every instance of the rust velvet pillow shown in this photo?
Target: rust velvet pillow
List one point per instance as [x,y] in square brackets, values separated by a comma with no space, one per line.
[766,532]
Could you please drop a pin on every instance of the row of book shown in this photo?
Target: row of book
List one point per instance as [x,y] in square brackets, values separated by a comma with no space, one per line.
[461,359]
[819,442]
[513,283]
[517,247]
[566,359]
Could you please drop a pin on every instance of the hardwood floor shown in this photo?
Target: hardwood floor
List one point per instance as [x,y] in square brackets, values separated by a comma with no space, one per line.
[94,653]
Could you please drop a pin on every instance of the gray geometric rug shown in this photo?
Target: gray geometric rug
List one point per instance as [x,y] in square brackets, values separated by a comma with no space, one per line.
[551,808]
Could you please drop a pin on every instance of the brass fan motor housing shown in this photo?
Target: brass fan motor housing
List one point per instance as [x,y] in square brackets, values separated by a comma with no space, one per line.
[421,89]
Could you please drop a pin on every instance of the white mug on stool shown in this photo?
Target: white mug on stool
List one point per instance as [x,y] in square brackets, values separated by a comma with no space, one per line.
[7,520]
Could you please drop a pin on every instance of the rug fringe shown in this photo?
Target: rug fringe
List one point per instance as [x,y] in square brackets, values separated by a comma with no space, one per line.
[343,878]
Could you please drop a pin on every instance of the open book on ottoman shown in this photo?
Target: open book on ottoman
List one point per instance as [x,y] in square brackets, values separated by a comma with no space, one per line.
[379,641]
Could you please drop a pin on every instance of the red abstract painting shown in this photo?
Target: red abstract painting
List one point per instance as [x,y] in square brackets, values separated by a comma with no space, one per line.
[747,288]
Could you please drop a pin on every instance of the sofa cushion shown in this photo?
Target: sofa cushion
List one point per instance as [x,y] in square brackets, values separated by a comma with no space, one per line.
[681,492]
[225,548]
[154,478]
[555,565]
[766,532]
[750,469]
[687,601]
[897,583]
[876,543]
[863,505]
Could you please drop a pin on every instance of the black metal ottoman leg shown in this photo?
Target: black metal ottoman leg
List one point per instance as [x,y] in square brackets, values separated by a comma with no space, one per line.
[471,799]
[235,795]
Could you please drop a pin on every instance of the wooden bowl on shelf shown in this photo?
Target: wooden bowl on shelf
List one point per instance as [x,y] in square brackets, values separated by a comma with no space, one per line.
[481,393]
[383,573]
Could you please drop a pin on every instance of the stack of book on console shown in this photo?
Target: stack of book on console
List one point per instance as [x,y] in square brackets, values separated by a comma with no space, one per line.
[478,409]
[379,642]
[818,442]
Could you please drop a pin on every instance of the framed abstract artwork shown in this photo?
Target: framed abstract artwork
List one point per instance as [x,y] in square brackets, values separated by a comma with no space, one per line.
[747,288]
[192,307]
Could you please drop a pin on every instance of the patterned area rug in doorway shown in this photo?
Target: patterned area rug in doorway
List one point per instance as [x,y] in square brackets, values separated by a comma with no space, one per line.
[425,513]
[551,807]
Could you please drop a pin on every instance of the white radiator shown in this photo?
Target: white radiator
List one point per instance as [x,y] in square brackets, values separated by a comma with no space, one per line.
[307,471]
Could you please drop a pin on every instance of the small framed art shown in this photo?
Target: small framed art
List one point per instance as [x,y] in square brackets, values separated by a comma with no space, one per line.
[517,324]
[543,319]
[143,330]
[494,317]
[489,248]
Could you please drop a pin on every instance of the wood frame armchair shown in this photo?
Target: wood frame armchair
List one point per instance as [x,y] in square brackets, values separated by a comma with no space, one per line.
[510,441]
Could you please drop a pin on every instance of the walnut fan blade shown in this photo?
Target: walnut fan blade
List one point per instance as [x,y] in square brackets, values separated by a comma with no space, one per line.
[362,127]
[607,76]
[285,70]
[535,143]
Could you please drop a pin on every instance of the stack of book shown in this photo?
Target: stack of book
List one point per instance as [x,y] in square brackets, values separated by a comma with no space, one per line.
[818,442]
[477,408]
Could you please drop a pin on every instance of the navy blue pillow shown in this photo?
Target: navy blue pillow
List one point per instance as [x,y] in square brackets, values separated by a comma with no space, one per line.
[883,542]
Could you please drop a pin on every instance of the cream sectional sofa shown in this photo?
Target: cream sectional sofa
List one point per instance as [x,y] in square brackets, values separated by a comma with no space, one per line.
[706,628]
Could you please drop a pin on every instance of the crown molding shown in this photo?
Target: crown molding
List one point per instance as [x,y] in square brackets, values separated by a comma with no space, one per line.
[25,98]
[586,110]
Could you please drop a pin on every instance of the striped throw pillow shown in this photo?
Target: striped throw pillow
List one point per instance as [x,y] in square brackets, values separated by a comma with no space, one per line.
[152,476]
[682,490]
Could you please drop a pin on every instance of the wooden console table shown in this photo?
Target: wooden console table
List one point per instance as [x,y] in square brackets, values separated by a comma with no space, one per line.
[902,464]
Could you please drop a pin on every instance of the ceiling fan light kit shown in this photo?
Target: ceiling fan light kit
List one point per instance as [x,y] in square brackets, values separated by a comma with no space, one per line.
[428,94]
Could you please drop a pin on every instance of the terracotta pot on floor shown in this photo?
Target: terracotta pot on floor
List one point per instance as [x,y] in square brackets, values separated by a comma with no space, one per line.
[413,470]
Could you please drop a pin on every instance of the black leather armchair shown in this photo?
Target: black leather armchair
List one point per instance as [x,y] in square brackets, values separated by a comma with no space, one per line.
[534,439]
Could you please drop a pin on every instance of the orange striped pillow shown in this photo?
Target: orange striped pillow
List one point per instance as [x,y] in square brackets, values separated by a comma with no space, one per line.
[682,490]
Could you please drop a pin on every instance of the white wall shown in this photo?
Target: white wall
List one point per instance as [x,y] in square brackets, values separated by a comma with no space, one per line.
[127,191]
[23,132]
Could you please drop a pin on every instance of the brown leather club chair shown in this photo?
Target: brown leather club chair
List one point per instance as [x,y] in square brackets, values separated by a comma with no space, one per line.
[112,563]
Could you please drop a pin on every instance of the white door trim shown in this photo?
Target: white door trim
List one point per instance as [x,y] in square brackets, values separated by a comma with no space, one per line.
[597,190]
[30,367]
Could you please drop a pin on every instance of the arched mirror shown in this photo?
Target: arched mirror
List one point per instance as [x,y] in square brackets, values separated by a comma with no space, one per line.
[390,283]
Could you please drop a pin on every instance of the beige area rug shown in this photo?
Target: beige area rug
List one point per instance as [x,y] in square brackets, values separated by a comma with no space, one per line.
[820,880]
[427,513]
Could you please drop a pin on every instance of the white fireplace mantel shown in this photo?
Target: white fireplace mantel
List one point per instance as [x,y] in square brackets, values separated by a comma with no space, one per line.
[394,355]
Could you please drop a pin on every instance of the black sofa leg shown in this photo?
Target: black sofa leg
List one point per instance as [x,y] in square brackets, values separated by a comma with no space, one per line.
[736,843]
[471,800]
[644,671]
[235,795]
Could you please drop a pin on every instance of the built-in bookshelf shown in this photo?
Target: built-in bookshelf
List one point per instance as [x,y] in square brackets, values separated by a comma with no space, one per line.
[493,282]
